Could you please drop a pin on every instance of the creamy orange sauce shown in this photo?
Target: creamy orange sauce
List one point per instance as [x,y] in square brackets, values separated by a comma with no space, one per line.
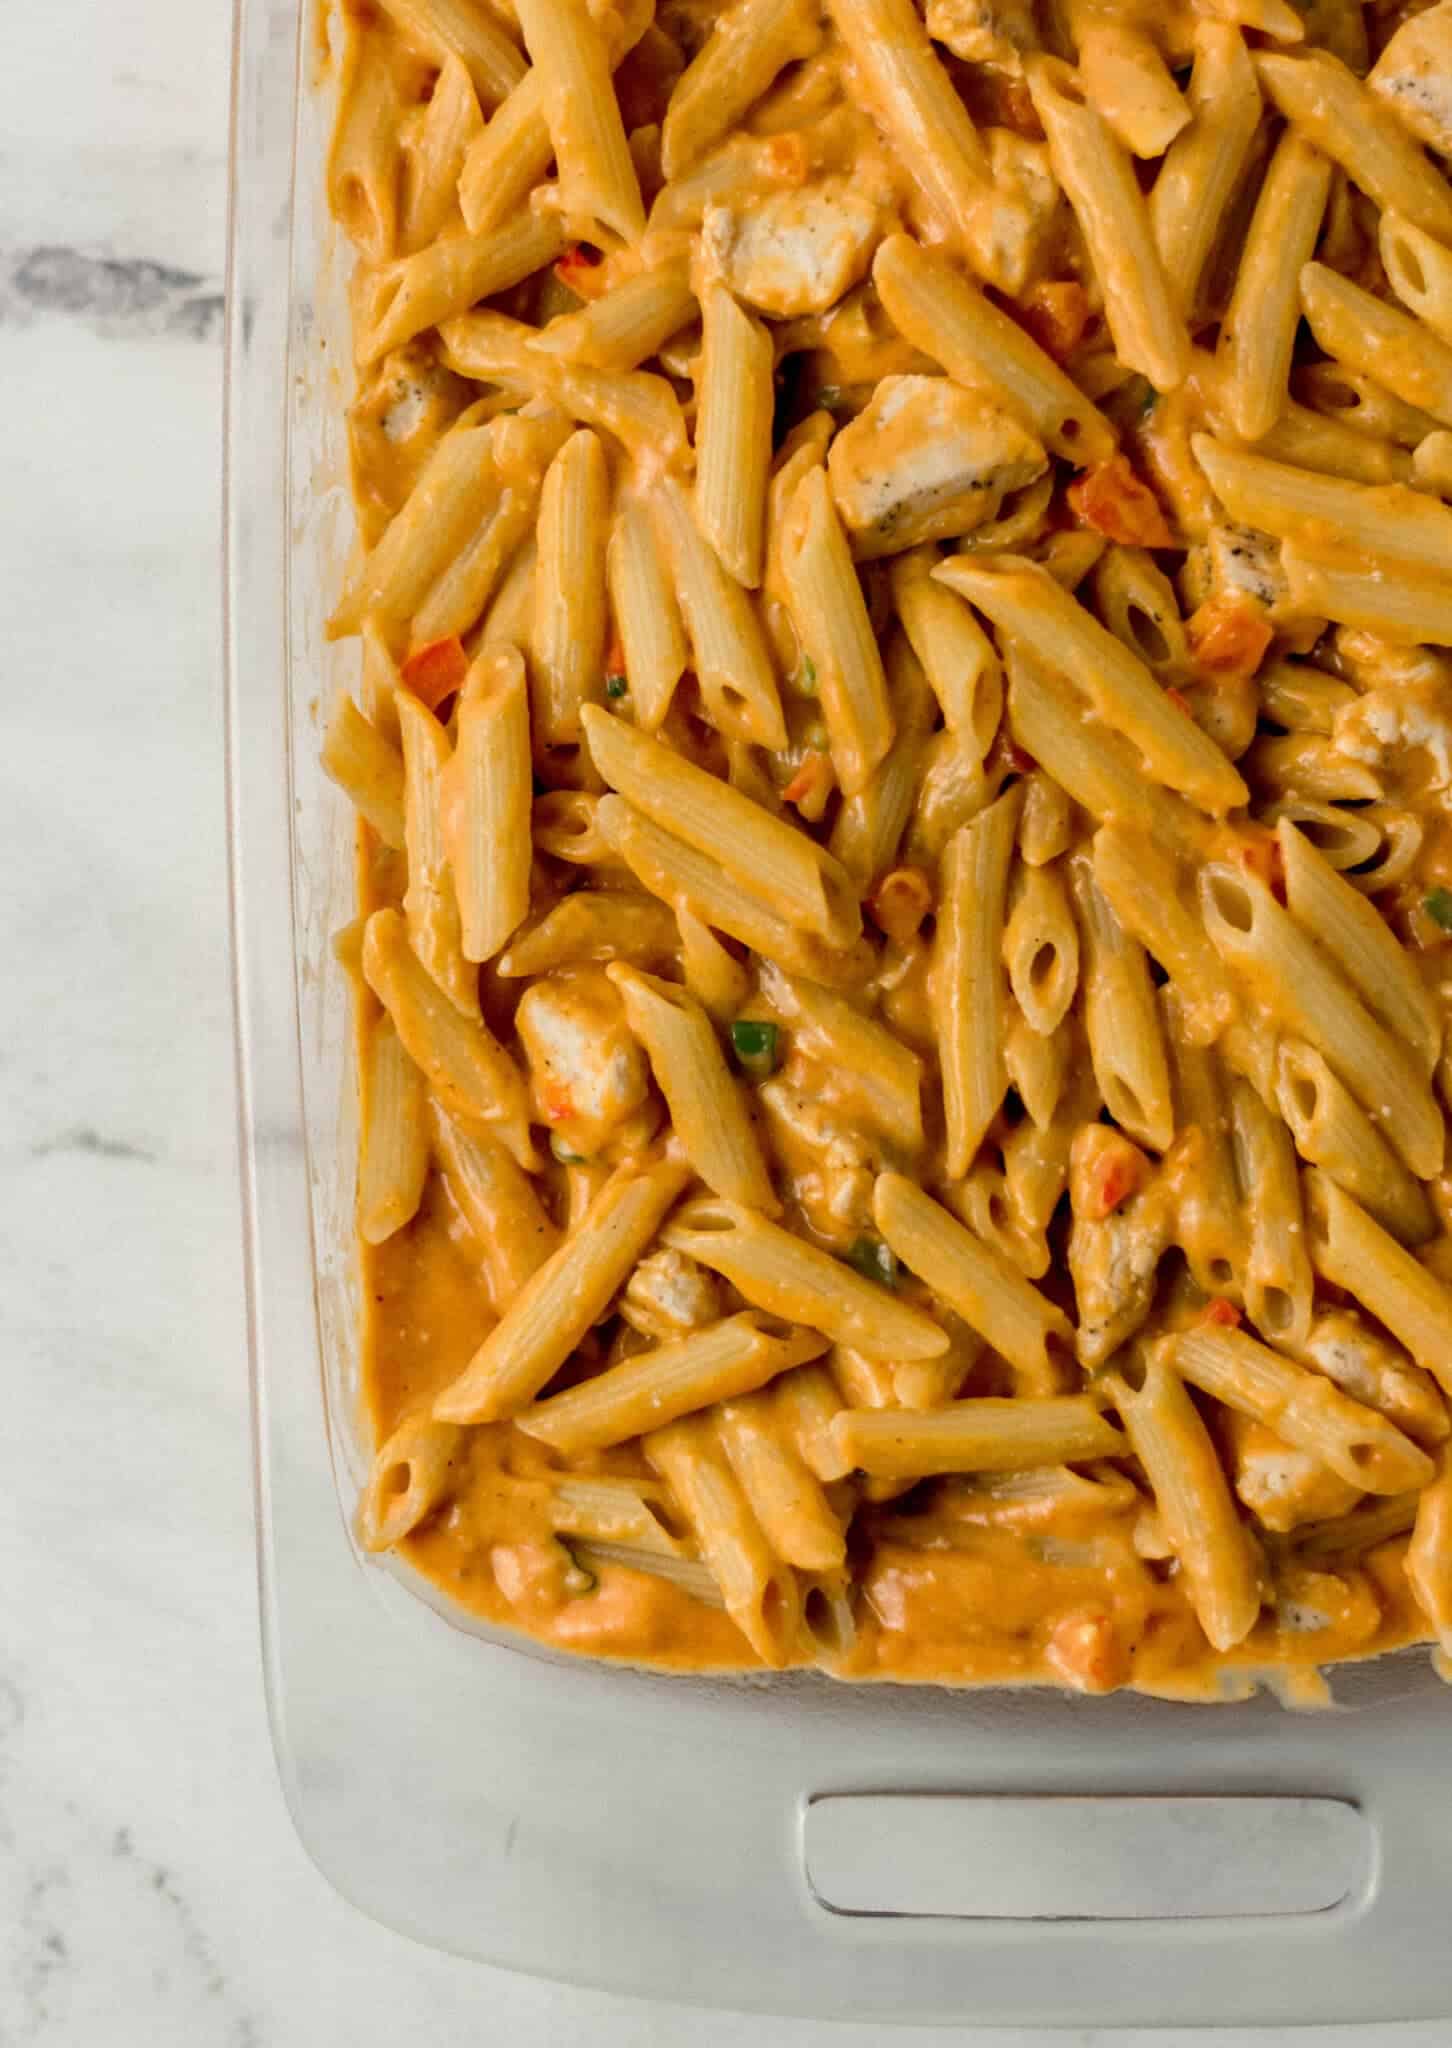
[951,1582]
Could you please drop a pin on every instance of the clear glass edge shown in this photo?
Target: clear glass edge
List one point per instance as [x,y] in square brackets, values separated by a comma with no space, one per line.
[280,1253]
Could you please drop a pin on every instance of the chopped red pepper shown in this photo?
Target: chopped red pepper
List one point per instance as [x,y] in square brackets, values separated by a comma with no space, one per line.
[436,670]
[556,1103]
[1259,852]
[578,269]
[808,780]
[1105,1169]
[1112,500]
[1228,638]
[1180,701]
[1221,1314]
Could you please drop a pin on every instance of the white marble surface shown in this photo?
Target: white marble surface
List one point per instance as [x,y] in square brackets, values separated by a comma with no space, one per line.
[151,1890]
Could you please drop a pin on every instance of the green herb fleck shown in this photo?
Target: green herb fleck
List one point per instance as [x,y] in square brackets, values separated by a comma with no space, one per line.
[807,678]
[1438,905]
[561,1151]
[829,398]
[874,1260]
[754,1044]
[616,685]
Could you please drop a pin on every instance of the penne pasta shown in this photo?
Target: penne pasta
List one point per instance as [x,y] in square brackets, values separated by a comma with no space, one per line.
[598,180]
[1121,1018]
[568,642]
[1331,1130]
[647,618]
[430,905]
[968,991]
[749,44]
[1259,328]
[393,1150]
[471,33]
[834,630]
[734,402]
[731,661]
[499,1204]
[367,768]
[486,804]
[1351,1249]
[412,1472]
[1197,181]
[786,1498]
[1278,1279]
[981,1435]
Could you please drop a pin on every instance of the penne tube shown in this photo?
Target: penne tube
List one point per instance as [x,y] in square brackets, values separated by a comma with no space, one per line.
[794,1279]
[591,924]
[1352,400]
[367,768]
[647,617]
[956,654]
[569,590]
[1419,270]
[1286,970]
[521,449]
[379,681]
[704,1098]
[442,510]
[690,880]
[1136,601]
[731,660]
[1363,946]
[1096,766]
[710,970]
[1377,1373]
[1380,340]
[1386,519]
[1208,1225]
[806,1401]
[942,313]
[1428,1562]
[1351,1249]
[1331,1130]
[394,1142]
[689,1575]
[597,173]
[735,396]
[1202,170]
[544,1322]
[563,825]
[779,864]
[1024,601]
[413,1471]
[499,1204]
[465,1066]
[967,978]
[363,158]
[875,1071]
[430,906]
[1037,1068]
[1345,838]
[627,325]
[432,164]
[1302,698]
[471,33]
[785,1496]
[510,617]
[1147,326]
[833,628]
[1131,86]
[761,1595]
[720,1363]
[1334,110]
[990,1295]
[1214,1549]
[749,44]
[1376,596]
[1142,887]
[1259,328]
[1359,1531]
[1353,1441]
[868,828]
[1122,1018]
[1046,822]
[1041,949]
[624,1513]
[976,1435]
[486,803]
[506,162]
[451,275]
[1310,765]
[1278,1280]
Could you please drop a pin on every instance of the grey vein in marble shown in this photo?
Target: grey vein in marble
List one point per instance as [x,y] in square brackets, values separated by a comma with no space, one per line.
[112,295]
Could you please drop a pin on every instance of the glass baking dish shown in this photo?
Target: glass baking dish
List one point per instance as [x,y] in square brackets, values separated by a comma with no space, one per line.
[782,1844]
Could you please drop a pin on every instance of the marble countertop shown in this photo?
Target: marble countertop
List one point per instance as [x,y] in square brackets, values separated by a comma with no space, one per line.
[151,1889]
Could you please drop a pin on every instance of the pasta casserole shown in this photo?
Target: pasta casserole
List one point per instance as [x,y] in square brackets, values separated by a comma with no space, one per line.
[903,759]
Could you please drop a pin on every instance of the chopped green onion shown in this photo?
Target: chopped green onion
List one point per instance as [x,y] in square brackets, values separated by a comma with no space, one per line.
[754,1044]
[616,685]
[561,1151]
[830,397]
[874,1260]
[808,676]
[1438,905]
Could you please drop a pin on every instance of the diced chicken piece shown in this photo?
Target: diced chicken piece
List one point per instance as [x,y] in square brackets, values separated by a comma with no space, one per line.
[587,1073]
[984,31]
[1376,1372]
[831,1163]
[404,405]
[1372,663]
[669,1294]
[790,253]
[1414,76]
[1023,209]
[1384,725]
[1114,1262]
[1282,1486]
[1321,1603]
[1234,561]
[926,460]
[1085,1651]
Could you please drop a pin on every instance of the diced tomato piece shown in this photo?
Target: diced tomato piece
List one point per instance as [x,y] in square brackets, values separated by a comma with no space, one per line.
[1228,637]
[556,1102]
[1221,1314]
[436,670]
[1259,852]
[811,779]
[900,902]
[1112,499]
[1055,314]
[580,268]
[1105,1169]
